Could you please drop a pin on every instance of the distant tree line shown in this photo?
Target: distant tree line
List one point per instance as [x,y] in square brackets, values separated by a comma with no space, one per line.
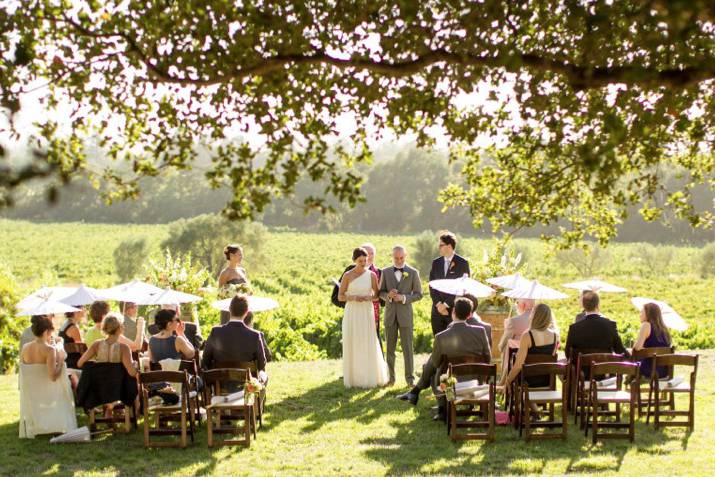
[400,190]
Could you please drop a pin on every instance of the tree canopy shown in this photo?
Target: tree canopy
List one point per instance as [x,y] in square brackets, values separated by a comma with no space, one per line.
[564,112]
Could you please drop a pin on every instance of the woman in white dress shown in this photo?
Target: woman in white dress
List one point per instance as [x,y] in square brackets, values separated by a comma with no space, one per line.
[363,364]
[46,401]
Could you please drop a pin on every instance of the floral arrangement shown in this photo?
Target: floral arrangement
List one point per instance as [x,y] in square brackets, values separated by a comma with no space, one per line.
[502,260]
[230,290]
[252,388]
[446,385]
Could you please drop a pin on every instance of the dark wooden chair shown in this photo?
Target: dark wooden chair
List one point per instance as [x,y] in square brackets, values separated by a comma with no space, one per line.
[548,397]
[573,375]
[584,361]
[650,354]
[166,414]
[515,387]
[604,397]
[484,373]
[215,381]
[686,386]
[444,365]
[253,368]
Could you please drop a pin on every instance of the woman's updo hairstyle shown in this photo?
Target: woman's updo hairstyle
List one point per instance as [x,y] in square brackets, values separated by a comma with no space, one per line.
[163,318]
[359,252]
[40,324]
[111,324]
[230,249]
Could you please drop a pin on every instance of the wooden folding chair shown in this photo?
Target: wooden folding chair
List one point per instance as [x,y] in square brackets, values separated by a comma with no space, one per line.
[670,388]
[165,414]
[649,354]
[189,365]
[606,396]
[574,374]
[484,373]
[515,390]
[548,397]
[121,414]
[237,409]
[582,371]
[251,366]
[444,365]
[545,396]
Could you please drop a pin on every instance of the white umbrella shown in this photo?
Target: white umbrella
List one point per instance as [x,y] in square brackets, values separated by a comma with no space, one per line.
[47,307]
[255,304]
[170,297]
[43,294]
[82,296]
[134,291]
[81,434]
[462,286]
[535,291]
[596,285]
[509,282]
[671,318]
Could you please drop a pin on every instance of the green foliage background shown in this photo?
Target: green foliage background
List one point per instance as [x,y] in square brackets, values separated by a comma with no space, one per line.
[297,266]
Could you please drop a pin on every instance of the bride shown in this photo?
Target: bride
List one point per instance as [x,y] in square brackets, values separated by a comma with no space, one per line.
[363,364]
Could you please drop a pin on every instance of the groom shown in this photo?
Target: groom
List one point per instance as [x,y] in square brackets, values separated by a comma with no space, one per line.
[447,265]
[400,286]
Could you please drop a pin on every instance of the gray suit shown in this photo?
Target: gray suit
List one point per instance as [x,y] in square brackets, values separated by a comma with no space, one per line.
[459,339]
[398,315]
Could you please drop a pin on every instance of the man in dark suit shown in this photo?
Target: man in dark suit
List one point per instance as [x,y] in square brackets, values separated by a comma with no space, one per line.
[248,320]
[459,339]
[594,330]
[234,341]
[476,320]
[448,265]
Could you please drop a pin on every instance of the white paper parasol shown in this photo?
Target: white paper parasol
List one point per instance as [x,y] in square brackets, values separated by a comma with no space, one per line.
[170,297]
[596,285]
[82,296]
[47,307]
[509,281]
[462,286]
[671,318]
[535,291]
[44,294]
[81,434]
[255,304]
[134,292]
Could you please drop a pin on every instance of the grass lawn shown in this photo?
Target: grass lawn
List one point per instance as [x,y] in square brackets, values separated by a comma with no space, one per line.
[316,427]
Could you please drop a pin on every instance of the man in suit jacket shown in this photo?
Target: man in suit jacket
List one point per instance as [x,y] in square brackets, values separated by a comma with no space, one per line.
[594,330]
[459,339]
[400,286]
[448,265]
[234,341]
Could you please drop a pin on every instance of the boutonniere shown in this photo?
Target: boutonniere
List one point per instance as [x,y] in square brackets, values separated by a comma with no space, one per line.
[451,264]
[405,274]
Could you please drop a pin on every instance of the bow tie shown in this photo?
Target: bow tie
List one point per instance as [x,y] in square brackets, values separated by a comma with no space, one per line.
[399,269]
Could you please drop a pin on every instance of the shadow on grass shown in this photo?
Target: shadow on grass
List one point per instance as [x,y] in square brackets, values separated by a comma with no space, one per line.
[331,402]
[120,454]
[405,453]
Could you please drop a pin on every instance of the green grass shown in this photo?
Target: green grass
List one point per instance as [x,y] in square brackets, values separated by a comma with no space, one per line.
[316,427]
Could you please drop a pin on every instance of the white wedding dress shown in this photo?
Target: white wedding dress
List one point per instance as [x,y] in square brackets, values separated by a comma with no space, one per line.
[363,364]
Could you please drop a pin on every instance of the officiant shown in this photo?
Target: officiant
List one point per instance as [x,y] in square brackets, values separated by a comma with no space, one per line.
[400,286]
[447,265]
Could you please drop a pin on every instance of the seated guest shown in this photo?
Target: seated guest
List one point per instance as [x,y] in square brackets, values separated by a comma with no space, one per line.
[97,312]
[653,334]
[517,325]
[248,321]
[46,400]
[130,312]
[542,338]
[581,315]
[594,330]
[110,349]
[70,333]
[476,320]
[459,339]
[170,342]
[235,341]
[191,330]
